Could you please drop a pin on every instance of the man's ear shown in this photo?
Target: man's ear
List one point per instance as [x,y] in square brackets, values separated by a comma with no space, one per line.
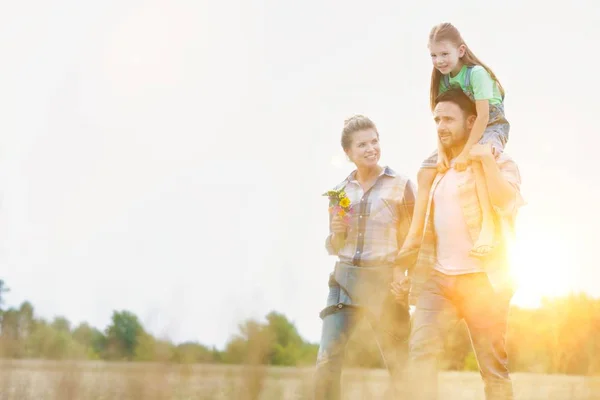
[471,121]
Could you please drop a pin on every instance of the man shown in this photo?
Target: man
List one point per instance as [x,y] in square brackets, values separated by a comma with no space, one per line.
[447,284]
[366,245]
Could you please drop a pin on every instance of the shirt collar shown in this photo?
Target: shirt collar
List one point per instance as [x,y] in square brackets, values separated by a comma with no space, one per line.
[386,171]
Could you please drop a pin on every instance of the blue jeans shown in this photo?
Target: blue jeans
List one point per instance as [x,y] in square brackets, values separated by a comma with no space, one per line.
[391,332]
[443,302]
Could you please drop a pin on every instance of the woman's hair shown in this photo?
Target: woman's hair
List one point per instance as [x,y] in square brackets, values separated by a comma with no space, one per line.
[447,31]
[354,124]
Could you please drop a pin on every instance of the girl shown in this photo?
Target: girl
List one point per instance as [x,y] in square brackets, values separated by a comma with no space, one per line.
[455,64]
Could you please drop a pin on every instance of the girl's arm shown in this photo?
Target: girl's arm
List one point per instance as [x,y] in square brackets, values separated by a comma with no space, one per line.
[483,117]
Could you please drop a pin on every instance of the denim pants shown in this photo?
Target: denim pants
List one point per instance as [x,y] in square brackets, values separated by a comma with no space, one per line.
[391,332]
[443,302]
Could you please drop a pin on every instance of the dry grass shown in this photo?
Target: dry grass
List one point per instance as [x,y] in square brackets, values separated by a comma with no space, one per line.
[40,380]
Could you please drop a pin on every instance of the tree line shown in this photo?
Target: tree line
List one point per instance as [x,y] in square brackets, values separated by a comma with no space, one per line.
[561,336]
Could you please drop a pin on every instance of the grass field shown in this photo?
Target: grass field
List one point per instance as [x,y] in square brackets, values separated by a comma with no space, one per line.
[39,380]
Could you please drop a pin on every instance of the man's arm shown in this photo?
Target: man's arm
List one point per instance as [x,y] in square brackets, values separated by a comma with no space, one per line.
[405,215]
[406,210]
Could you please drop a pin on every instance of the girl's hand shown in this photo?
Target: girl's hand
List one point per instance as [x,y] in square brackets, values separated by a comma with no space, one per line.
[480,151]
[461,162]
[442,164]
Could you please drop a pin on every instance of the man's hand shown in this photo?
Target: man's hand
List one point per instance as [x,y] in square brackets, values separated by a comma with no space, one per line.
[461,162]
[338,226]
[480,151]
[400,287]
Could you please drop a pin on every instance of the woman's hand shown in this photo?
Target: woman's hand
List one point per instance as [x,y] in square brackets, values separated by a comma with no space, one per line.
[338,225]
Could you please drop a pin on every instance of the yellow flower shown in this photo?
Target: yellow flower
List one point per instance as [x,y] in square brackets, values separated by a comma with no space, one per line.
[345,202]
[342,213]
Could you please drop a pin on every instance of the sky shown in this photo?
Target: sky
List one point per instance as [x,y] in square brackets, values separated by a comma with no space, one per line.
[168,157]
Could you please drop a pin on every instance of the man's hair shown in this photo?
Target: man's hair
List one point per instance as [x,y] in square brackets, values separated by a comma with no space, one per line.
[354,124]
[458,97]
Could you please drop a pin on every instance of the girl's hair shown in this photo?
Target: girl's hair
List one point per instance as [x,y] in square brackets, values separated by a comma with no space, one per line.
[447,31]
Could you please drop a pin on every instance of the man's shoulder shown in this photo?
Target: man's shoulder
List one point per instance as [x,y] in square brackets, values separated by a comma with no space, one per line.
[509,168]
[505,159]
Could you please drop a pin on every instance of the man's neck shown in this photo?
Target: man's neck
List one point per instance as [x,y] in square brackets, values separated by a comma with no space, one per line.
[455,151]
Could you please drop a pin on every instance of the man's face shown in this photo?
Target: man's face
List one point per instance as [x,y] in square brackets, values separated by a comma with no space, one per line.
[453,126]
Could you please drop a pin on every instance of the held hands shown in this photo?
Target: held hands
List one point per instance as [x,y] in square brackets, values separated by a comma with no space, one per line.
[400,287]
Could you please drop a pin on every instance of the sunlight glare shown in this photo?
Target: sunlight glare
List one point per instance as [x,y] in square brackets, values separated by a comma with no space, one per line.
[539,262]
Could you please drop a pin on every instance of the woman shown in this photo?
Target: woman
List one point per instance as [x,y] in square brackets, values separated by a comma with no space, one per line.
[366,236]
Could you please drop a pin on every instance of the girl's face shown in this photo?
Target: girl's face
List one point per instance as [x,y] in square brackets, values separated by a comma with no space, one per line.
[446,56]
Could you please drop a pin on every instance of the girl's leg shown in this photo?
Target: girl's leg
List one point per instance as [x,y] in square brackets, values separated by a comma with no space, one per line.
[485,243]
[412,242]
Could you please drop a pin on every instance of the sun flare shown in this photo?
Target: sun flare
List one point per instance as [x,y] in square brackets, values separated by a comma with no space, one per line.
[539,263]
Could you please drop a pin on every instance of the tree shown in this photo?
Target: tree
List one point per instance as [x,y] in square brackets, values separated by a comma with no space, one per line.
[191,353]
[3,289]
[287,346]
[123,335]
[62,324]
[149,348]
[26,319]
[49,343]
[276,343]
[250,346]
[91,339]
[12,346]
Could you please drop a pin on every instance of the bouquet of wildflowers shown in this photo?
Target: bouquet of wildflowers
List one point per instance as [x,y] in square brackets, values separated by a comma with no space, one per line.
[339,203]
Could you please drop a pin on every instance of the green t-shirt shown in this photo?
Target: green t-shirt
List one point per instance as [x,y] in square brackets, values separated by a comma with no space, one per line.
[482,84]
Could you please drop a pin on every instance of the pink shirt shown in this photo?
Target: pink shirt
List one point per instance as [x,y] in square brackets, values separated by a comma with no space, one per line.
[452,232]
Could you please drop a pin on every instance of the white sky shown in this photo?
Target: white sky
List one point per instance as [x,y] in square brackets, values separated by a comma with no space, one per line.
[167,157]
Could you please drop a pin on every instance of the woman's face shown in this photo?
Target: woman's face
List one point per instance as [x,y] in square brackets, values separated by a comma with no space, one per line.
[364,150]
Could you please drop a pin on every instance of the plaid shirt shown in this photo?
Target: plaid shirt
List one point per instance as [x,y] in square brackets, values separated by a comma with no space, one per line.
[379,221]
[497,267]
